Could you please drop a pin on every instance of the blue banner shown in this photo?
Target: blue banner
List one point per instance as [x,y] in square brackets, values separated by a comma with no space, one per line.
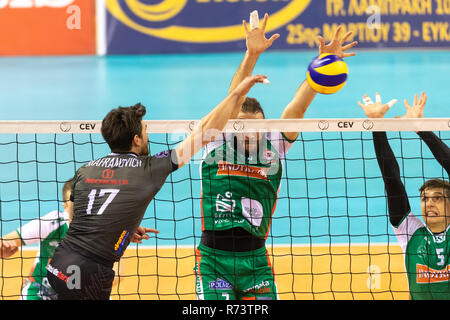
[183,26]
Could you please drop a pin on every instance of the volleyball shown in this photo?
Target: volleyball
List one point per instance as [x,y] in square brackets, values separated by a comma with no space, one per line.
[327,73]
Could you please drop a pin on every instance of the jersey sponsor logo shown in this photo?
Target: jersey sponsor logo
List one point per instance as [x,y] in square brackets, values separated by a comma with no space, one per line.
[162,154]
[439,238]
[229,169]
[253,211]
[108,174]
[225,204]
[57,273]
[263,287]
[106,181]
[220,284]
[426,274]
[121,241]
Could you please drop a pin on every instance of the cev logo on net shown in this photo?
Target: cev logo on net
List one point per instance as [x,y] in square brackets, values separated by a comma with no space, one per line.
[167,9]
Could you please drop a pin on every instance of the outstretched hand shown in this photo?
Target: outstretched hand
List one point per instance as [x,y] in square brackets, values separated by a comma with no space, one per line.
[256,39]
[377,109]
[416,110]
[244,87]
[336,46]
[141,234]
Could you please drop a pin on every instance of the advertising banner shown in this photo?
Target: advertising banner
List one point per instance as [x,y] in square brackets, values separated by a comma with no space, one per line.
[47,27]
[164,26]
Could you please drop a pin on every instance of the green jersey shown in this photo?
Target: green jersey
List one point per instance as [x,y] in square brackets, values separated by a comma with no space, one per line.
[426,259]
[49,230]
[238,190]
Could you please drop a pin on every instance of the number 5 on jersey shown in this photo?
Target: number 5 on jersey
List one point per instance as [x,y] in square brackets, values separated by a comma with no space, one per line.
[112,194]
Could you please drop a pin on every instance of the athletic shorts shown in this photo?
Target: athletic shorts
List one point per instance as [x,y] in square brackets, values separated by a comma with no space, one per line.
[224,275]
[74,276]
[33,290]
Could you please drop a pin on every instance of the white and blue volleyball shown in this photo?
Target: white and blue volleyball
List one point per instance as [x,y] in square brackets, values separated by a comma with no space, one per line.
[327,73]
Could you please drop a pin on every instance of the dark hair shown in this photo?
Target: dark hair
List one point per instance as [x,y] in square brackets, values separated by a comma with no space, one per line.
[436,183]
[67,188]
[121,125]
[251,105]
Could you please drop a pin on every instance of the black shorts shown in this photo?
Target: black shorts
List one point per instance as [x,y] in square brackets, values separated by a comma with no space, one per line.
[76,276]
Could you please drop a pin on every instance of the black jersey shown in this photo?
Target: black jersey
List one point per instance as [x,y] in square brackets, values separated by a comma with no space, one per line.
[110,198]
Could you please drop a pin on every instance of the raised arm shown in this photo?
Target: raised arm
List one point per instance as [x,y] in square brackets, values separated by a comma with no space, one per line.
[398,203]
[256,43]
[305,94]
[214,122]
[439,149]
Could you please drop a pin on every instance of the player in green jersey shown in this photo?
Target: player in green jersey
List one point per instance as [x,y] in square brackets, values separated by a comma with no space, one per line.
[426,245]
[240,181]
[48,230]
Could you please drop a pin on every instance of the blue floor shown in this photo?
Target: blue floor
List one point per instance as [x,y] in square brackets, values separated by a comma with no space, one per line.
[349,206]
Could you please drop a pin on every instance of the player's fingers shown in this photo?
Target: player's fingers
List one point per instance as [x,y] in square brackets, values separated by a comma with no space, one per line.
[366,99]
[349,46]
[423,100]
[378,98]
[273,38]
[350,54]
[151,230]
[346,36]
[321,41]
[264,23]
[259,78]
[415,99]
[406,104]
[244,23]
[336,34]
[391,103]
[361,105]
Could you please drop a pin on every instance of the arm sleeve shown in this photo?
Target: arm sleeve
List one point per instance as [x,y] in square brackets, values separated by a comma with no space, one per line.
[162,164]
[439,149]
[397,198]
[39,229]
[280,142]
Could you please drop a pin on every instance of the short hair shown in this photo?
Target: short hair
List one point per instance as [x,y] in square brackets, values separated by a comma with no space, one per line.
[251,105]
[436,183]
[121,125]
[67,188]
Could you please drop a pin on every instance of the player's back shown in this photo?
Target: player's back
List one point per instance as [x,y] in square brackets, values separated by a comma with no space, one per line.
[111,195]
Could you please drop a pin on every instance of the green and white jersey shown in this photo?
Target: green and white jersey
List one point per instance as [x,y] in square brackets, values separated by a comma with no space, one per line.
[49,230]
[426,259]
[239,191]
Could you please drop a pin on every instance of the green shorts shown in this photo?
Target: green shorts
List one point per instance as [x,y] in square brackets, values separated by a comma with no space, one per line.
[33,290]
[222,275]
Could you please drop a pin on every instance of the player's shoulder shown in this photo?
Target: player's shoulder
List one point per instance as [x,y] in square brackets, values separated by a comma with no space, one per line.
[410,224]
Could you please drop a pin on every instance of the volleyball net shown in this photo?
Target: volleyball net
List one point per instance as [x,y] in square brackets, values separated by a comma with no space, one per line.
[330,236]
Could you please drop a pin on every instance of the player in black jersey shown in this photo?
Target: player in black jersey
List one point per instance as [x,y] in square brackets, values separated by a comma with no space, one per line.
[111,195]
